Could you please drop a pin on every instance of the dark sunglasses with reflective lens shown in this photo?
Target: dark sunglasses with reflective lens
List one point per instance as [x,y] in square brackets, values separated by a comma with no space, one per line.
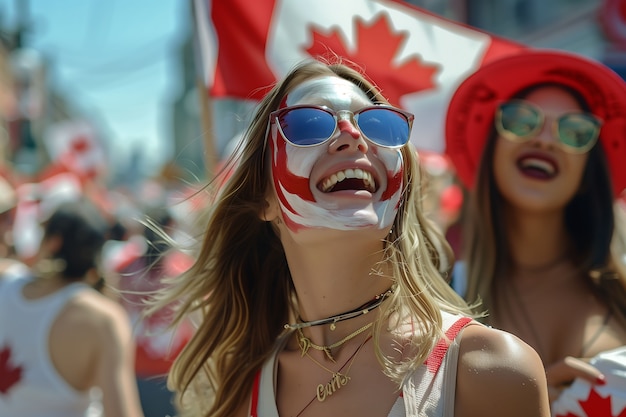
[309,125]
[519,121]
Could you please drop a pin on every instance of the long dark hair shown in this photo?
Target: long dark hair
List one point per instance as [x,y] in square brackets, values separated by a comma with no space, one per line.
[589,220]
[83,231]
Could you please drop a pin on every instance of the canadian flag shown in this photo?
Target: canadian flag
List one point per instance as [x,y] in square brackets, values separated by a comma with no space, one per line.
[582,399]
[415,57]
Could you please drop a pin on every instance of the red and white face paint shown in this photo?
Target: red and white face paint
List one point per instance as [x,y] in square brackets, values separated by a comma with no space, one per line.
[301,174]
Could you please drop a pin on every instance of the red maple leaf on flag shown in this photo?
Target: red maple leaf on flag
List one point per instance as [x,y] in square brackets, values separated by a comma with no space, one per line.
[377,47]
[9,375]
[596,406]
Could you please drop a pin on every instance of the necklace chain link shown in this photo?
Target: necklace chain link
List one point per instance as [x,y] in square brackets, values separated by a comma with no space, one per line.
[305,343]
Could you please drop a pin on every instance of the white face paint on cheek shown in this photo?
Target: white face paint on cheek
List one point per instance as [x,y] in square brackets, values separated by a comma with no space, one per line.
[391,159]
[300,161]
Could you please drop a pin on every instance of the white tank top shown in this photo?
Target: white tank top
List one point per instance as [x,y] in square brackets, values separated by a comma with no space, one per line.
[429,392]
[30,386]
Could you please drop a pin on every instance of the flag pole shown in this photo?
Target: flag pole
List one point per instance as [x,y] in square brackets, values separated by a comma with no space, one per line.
[206,118]
[211,158]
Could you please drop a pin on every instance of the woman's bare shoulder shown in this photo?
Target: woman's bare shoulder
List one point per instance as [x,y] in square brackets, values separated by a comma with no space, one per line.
[104,317]
[499,374]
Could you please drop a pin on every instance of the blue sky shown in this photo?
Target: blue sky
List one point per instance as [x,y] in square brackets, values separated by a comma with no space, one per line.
[115,61]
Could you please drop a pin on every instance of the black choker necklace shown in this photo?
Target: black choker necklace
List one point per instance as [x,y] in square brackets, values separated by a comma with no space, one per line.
[333,320]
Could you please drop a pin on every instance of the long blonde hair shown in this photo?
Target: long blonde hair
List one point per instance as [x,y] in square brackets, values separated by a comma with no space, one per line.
[240,286]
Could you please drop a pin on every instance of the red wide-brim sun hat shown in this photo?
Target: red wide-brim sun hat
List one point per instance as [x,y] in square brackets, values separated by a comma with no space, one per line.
[472,107]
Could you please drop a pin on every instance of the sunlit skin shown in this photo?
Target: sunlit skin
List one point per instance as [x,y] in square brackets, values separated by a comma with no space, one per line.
[299,172]
[557,180]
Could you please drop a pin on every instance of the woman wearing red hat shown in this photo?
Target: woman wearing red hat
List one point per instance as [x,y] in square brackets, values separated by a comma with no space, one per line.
[540,139]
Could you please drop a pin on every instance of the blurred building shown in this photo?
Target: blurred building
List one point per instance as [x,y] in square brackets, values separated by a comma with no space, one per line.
[189,154]
[31,107]
[594,28]
[8,101]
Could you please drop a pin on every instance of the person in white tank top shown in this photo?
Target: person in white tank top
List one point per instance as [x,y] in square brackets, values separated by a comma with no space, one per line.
[317,285]
[59,337]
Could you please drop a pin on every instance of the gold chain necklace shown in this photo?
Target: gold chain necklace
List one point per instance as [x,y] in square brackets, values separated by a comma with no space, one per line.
[305,343]
[338,380]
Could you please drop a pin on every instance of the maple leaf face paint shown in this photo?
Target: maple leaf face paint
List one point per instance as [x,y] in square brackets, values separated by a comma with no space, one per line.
[345,183]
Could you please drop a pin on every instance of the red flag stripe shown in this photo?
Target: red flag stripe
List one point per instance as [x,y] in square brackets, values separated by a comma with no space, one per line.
[242,28]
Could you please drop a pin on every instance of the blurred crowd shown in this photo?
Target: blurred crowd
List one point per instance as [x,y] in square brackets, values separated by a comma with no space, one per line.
[130,264]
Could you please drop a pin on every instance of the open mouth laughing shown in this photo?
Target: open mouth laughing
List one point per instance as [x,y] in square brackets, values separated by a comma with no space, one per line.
[348,179]
[539,167]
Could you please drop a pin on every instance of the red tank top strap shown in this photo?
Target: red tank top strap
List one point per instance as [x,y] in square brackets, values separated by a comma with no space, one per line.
[434,360]
[254,401]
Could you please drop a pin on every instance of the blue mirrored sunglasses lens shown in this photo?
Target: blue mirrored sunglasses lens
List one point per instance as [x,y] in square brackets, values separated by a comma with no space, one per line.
[384,127]
[306,126]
